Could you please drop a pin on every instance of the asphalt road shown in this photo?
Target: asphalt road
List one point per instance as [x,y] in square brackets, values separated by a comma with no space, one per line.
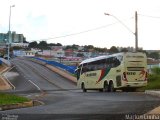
[64,101]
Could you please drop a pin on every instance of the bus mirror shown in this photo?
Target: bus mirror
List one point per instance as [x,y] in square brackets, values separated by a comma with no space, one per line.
[76,70]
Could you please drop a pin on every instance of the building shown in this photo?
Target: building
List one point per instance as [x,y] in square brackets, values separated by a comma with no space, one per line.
[21,53]
[15,38]
[3,40]
[3,37]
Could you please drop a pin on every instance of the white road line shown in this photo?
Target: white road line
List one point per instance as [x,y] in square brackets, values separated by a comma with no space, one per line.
[35,85]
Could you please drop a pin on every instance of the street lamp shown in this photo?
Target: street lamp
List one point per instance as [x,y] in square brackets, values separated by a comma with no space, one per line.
[136,28]
[9,32]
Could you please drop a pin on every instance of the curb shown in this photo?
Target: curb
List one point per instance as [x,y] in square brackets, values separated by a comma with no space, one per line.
[5,78]
[153,92]
[157,94]
[21,105]
[61,72]
[5,83]
[17,105]
[155,111]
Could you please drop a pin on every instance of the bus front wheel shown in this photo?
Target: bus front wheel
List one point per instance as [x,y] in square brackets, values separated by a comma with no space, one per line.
[105,87]
[83,87]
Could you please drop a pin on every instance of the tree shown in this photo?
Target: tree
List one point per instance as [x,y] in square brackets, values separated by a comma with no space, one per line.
[80,55]
[113,49]
[103,50]
[124,50]
[33,44]
[58,44]
[75,47]
[17,48]
[24,41]
[154,55]
[43,45]
[68,47]
[54,44]
[89,47]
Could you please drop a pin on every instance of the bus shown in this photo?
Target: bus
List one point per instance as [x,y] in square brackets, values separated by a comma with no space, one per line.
[126,71]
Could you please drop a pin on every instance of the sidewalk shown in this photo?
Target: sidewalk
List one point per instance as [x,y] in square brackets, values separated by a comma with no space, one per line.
[154,93]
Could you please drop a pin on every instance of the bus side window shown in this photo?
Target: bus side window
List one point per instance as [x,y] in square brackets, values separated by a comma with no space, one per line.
[110,62]
[113,62]
[117,62]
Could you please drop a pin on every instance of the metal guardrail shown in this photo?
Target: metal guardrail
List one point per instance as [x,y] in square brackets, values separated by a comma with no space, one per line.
[70,69]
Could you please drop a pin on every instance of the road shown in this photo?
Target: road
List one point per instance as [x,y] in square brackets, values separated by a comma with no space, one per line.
[64,101]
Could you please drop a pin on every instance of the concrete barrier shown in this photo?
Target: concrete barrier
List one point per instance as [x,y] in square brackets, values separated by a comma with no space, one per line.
[5,61]
[59,71]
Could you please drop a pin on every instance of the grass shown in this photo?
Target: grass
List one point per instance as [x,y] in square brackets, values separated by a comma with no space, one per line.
[6,99]
[153,82]
[153,79]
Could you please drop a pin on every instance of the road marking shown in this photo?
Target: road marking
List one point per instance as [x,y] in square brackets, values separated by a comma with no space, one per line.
[35,85]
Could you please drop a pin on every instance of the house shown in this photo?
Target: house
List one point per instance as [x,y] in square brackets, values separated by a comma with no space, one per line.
[29,53]
[57,52]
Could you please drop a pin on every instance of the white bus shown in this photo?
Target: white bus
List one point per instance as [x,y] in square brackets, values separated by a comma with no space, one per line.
[125,71]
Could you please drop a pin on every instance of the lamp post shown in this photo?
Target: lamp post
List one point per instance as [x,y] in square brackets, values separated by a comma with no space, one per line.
[136,28]
[9,32]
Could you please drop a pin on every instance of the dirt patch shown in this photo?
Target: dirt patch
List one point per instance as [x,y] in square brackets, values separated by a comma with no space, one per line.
[2,67]
[4,85]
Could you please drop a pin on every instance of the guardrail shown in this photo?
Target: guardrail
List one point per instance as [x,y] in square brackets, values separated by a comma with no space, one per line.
[70,69]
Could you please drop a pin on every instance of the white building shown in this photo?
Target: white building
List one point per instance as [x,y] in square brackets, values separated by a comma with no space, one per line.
[54,53]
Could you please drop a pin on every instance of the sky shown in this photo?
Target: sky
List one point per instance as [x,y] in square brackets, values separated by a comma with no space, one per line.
[82,22]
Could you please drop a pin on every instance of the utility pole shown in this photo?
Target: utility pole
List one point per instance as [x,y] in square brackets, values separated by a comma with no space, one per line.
[136,32]
[136,28]
[9,32]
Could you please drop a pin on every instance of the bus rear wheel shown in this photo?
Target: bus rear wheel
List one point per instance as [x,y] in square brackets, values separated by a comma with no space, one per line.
[83,87]
[111,87]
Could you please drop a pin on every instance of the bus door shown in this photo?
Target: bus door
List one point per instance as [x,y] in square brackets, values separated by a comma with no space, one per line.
[83,73]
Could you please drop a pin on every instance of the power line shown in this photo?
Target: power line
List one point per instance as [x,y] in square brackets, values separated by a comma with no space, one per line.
[149,16]
[76,33]
[73,34]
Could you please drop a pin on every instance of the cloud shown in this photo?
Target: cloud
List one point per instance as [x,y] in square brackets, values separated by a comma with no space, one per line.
[38,19]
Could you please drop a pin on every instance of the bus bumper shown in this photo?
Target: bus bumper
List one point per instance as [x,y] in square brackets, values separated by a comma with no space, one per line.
[135,84]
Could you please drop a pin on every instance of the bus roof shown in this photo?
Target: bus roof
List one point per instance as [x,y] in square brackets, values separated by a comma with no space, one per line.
[107,56]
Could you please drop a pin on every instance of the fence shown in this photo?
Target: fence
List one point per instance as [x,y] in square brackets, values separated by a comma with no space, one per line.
[70,69]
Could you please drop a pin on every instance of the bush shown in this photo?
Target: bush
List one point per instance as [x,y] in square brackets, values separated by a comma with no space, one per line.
[153,77]
[153,80]
[156,70]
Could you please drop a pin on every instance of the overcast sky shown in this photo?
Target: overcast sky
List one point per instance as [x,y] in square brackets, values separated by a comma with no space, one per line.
[83,22]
